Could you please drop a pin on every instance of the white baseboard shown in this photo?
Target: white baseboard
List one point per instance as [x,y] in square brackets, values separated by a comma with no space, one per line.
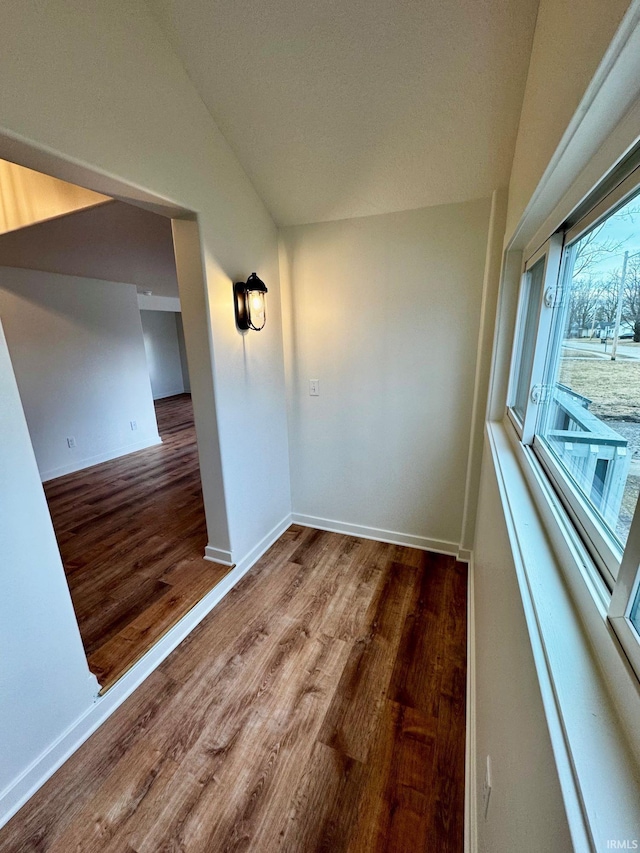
[470,792]
[174,393]
[218,555]
[72,739]
[15,795]
[90,461]
[423,543]
[265,543]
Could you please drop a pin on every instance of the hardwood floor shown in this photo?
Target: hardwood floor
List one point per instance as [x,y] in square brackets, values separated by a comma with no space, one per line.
[132,534]
[319,707]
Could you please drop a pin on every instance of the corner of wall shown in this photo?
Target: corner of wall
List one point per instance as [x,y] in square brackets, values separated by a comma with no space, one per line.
[490,290]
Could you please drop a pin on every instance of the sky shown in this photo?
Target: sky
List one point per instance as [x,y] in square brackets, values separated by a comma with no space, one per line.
[623,226]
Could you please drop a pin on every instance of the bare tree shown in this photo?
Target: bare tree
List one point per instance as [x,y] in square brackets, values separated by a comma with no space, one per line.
[591,250]
[608,299]
[584,302]
[595,299]
[631,297]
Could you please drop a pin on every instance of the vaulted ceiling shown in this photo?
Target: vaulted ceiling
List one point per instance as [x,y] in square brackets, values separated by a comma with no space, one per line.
[338,109]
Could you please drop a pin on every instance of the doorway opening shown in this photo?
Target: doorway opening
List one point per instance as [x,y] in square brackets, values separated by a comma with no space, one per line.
[91,311]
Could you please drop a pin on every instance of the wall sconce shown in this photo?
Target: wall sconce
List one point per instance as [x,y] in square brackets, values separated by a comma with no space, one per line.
[250,303]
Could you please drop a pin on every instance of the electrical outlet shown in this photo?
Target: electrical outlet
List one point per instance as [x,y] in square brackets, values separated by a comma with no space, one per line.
[71,442]
[486,788]
[134,425]
[314,387]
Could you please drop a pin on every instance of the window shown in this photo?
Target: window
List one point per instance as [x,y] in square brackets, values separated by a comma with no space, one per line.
[532,292]
[539,277]
[575,386]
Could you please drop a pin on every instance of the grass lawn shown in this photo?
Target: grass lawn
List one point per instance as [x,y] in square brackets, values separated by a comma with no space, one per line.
[613,386]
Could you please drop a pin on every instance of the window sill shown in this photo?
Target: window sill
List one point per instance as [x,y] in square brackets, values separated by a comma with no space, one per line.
[590,694]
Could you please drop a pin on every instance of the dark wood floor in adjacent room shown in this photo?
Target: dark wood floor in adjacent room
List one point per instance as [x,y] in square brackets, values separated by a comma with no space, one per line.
[319,707]
[132,536]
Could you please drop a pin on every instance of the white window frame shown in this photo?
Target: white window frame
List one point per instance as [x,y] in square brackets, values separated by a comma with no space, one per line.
[551,251]
[625,592]
[603,548]
[620,569]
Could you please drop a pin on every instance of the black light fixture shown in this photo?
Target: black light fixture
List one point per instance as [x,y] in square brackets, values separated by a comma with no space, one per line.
[250,303]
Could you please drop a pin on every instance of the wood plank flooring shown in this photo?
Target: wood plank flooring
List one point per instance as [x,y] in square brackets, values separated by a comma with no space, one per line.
[132,534]
[319,707]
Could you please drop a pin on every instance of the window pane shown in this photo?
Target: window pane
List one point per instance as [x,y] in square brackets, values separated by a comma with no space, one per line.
[532,293]
[590,419]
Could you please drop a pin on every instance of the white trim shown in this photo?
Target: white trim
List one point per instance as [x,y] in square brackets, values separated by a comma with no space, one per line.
[624,595]
[550,255]
[159,303]
[177,393]
[504,335]
[94,685]
[589,692]
[225,558]
[14,797]
[604,122]
[470,763]
[464,555]
[604,550]
[265,543]
[43,158]
[423,543]
[591,725]
[573,554]
[482,376]
[576,817]
[90,461]
[218,555]
[615,198]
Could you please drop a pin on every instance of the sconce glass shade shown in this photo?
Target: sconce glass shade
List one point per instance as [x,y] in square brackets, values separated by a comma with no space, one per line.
[250,303]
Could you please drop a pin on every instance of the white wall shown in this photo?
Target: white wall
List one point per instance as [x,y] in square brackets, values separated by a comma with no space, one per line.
[78,354]
[126,119]
[184,364]
[569,43]
[526,811]
[112,241]
[163,353]
[384,311]
[92,93]
[44,677]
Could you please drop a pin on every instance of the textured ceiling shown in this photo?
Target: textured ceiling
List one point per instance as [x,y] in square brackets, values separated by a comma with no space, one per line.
[342,109]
